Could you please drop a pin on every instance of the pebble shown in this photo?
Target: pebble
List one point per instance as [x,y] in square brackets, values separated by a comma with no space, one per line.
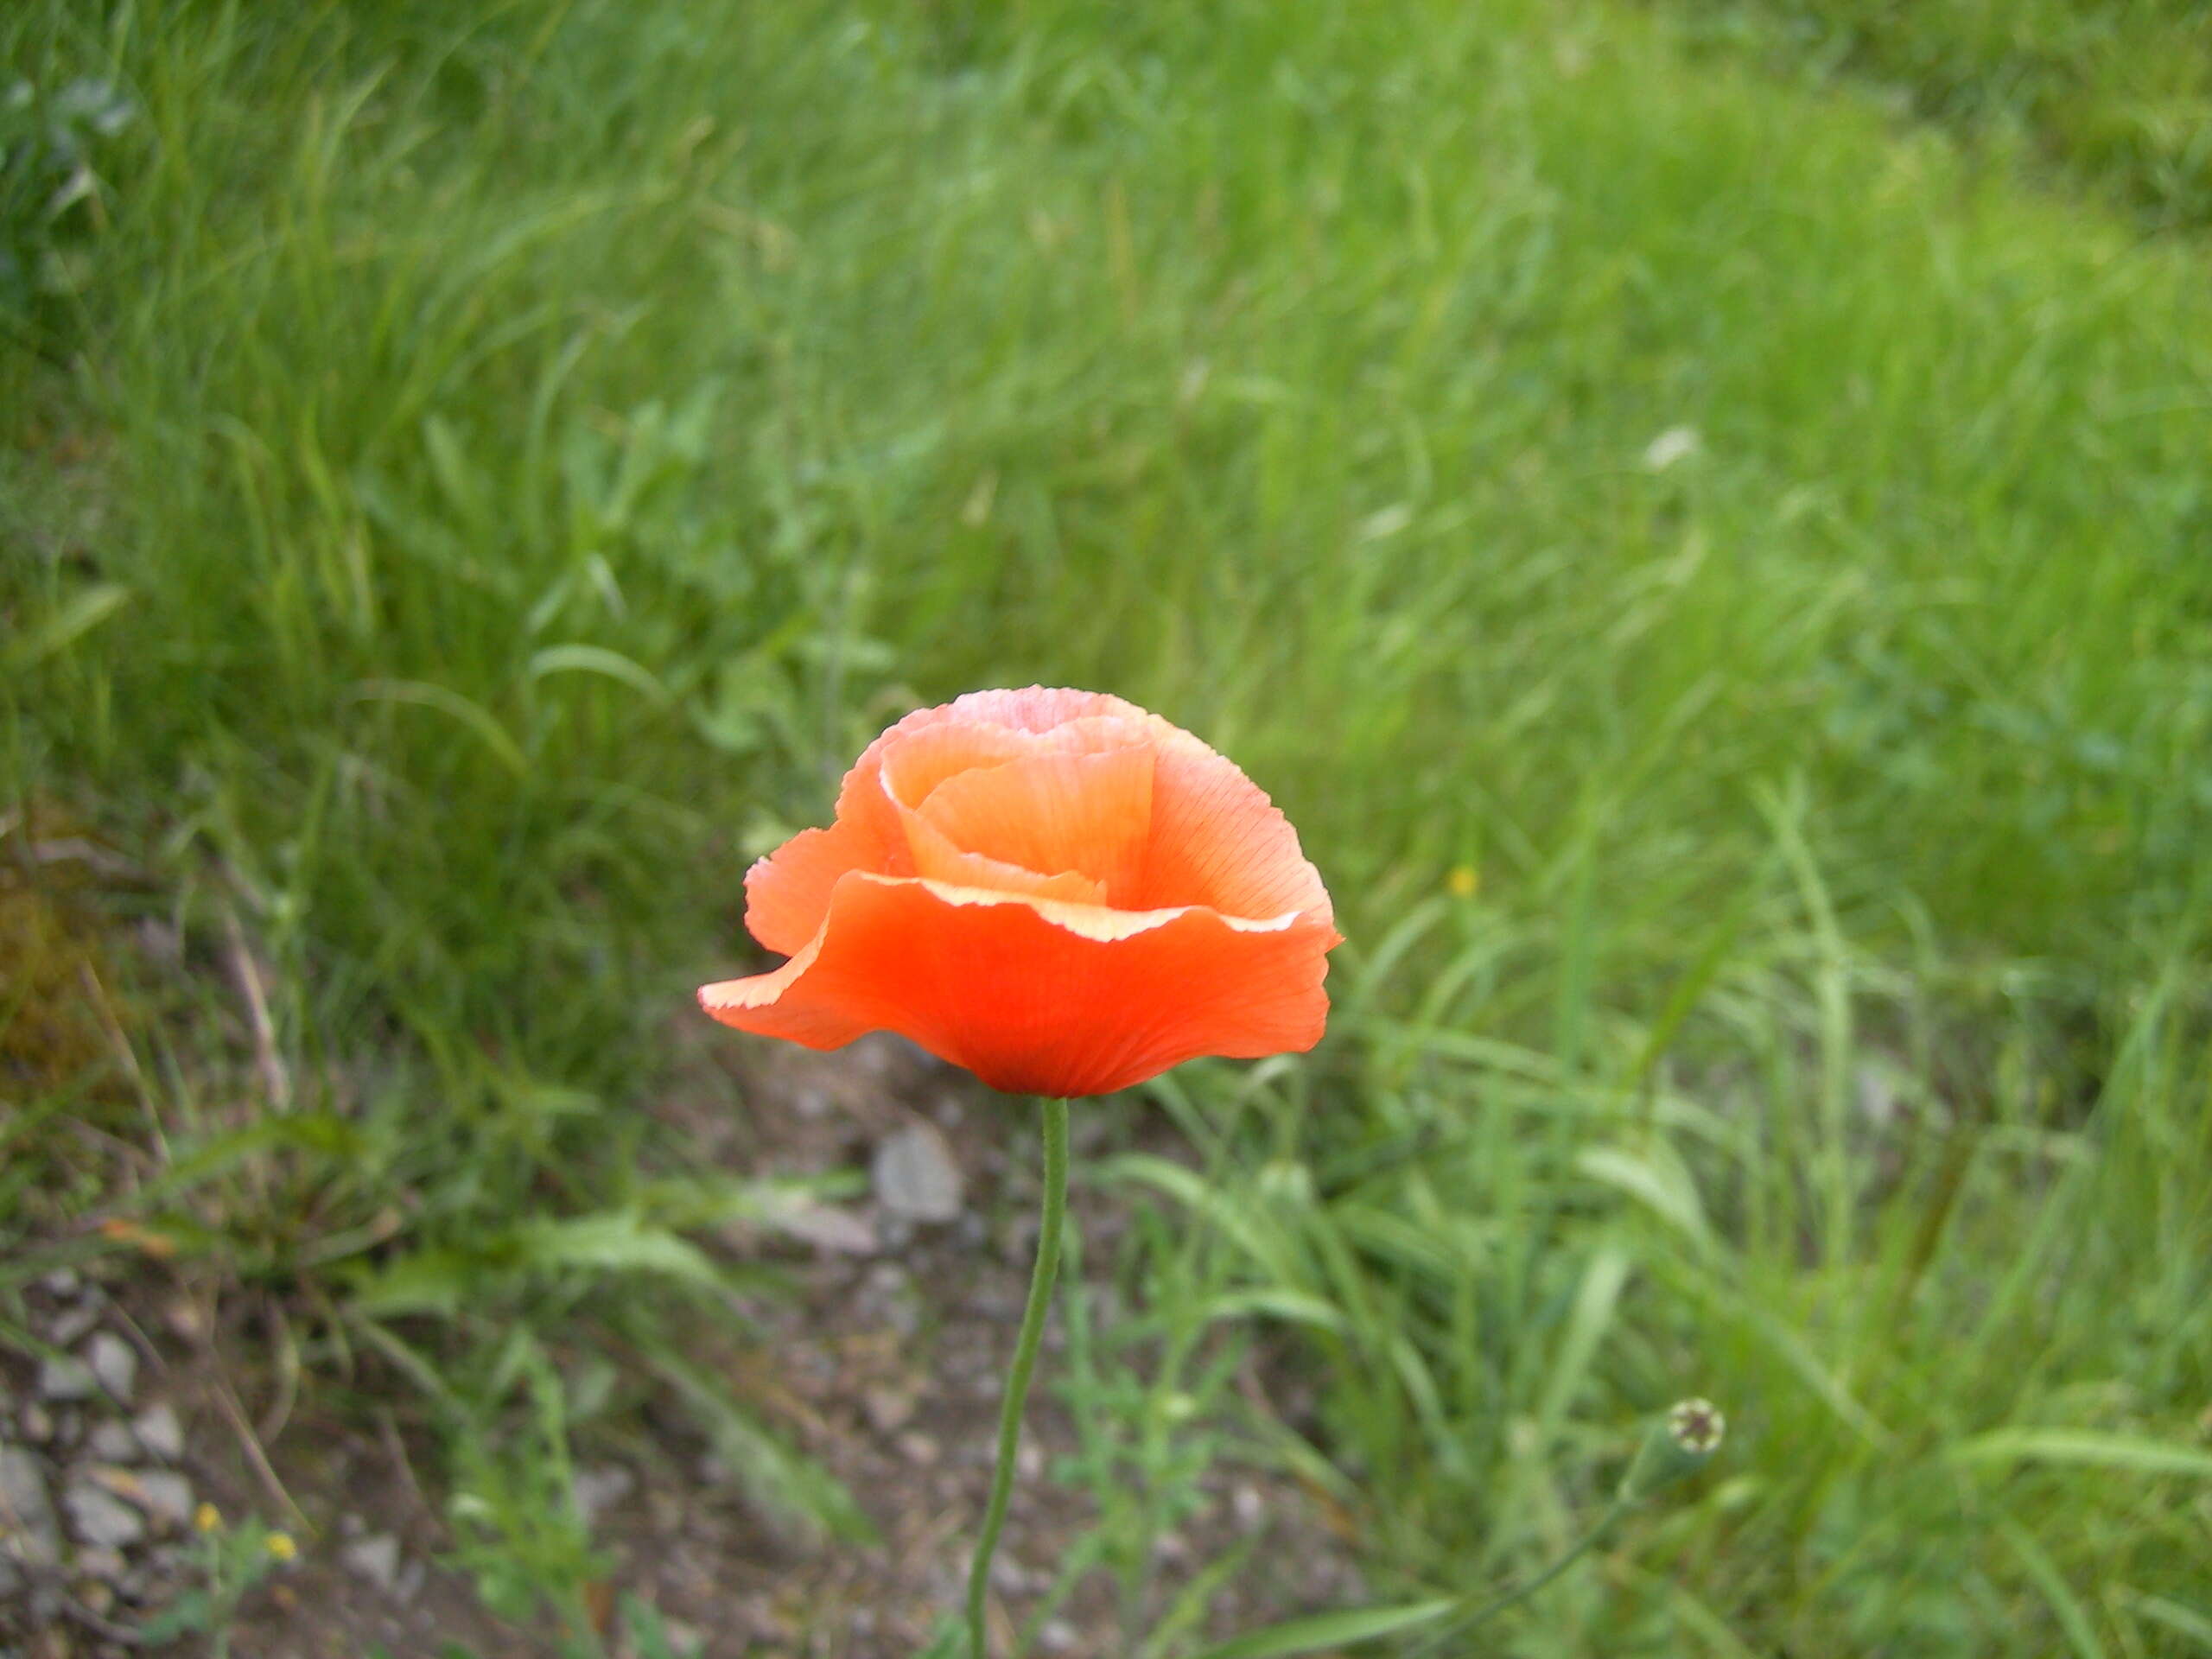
[115,1363]
[37,1423]
[167,1497]
[827,1227]
[65,1377]
[64,1329]
[888,1408]
[113,1442]
[1010,1578]
[94,1562]
[160,1432]
[62,1281]
[1057,1636]
[600,1488]
[375,1558]
[184,1321]
[34,1537]
[915,1177]
[919,1448]
[100,1518]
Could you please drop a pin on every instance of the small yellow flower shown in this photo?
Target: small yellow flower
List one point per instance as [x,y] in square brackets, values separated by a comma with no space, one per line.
[1464,881]
[206,1518]
[280,1546]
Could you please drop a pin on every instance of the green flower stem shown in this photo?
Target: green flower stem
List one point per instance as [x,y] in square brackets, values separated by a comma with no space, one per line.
[1489,1611]
[1024,1363]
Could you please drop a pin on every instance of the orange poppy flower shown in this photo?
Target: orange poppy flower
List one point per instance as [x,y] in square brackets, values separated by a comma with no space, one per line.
[1054,889]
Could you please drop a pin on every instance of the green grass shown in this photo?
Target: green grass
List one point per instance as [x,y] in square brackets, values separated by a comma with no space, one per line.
[535,454]
[2111,93]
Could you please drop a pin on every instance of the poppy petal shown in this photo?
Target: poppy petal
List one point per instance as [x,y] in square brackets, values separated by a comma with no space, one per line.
[1037,997]
[787,893]
[911,770]
[1218,840]
[1090,813]
[937,858]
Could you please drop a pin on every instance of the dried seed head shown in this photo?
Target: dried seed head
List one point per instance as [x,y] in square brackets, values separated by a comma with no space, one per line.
[1679,1444]
[1697,1425]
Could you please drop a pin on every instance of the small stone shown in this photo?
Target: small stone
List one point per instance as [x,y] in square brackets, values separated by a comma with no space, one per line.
[408,1584]
[62,1281]
[917,1448]
[183,1318]
[37,1423]
[888,1409]
[100,1518]
[375,1558]
[106,1565]
[682,1638]
[65,1377]
[64,1328]
[113,1442]
[1057,1636]
[600,1488]
[167,1497]
[827,1227]
[96,1594]
[915,1177]
[27,1510]
[115,1363]
[160,1432]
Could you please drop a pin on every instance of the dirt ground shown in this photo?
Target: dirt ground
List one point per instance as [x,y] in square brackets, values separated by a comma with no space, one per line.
[884,1365]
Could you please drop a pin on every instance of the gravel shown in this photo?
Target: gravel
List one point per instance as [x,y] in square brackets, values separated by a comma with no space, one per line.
[115,1363]
[98,1517]
[160,1432]
[65,1377]
[915,1177]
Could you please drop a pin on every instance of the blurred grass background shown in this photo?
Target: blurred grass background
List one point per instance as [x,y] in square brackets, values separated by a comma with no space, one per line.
[1700,513]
